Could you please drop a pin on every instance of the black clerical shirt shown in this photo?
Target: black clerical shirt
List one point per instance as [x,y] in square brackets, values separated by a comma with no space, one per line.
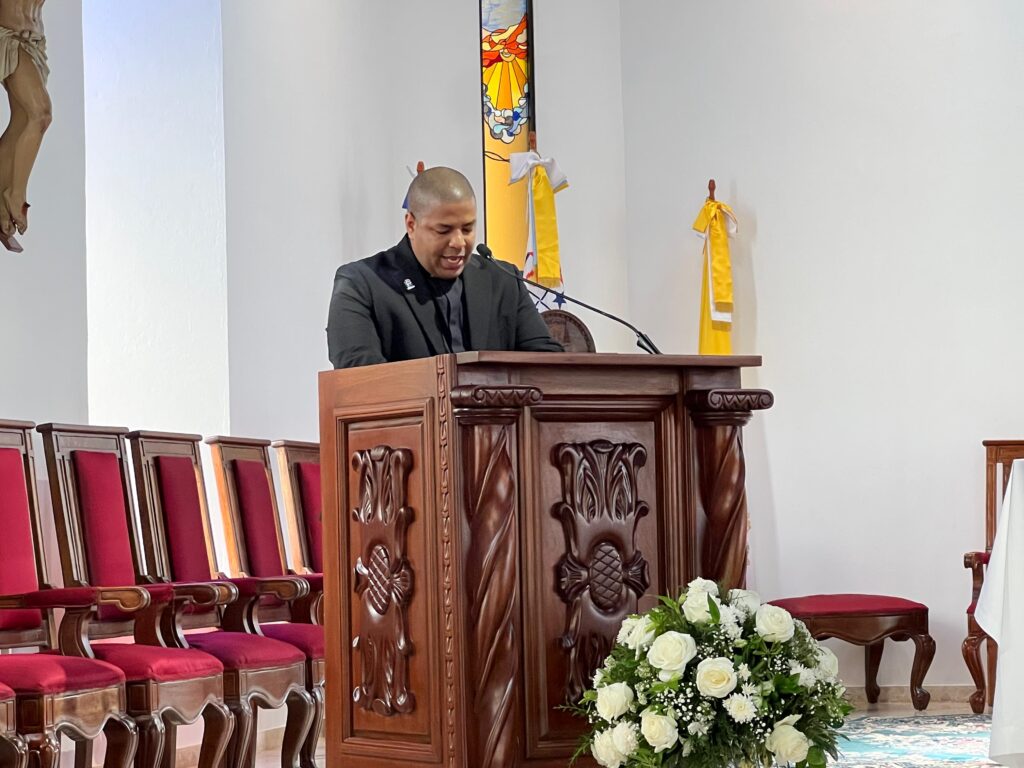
[451,311]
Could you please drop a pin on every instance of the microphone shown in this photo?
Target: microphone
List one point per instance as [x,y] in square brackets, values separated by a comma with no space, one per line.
[642,339]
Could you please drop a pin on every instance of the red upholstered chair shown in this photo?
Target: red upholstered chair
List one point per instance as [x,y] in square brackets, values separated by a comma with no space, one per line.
[44,695]
[252,529]
[298,464]
[868,620]
[101,542]
[999,458]
[13,750]
[179,545]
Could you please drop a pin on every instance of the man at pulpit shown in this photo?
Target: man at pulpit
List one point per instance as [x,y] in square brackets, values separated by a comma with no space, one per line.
[431,294]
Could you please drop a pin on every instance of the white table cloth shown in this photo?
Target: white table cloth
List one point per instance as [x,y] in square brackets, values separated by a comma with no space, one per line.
[1000,612]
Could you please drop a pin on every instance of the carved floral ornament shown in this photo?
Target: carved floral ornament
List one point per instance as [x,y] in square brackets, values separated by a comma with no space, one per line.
[383,580]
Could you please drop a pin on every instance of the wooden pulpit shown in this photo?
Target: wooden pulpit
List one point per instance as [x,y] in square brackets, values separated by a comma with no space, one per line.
[490,519]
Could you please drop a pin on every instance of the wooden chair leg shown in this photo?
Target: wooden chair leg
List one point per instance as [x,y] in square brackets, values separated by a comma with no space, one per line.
[13,751]
[872,660]
[169,758]
[122,742]
[924,652]
[151,741]
[971,649]
[219,723]
[240,743]
[300,717]
[83,753]
[46,748]
[308,755]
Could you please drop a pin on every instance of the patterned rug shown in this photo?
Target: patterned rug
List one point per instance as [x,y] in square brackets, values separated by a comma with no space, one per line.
[934,741]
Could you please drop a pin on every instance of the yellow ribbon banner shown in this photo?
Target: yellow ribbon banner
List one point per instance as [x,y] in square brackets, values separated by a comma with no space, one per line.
[714,224]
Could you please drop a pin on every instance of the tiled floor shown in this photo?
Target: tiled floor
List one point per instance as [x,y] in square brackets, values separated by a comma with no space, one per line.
[882,709]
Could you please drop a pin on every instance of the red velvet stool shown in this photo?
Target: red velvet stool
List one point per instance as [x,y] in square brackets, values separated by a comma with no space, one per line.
[868,620]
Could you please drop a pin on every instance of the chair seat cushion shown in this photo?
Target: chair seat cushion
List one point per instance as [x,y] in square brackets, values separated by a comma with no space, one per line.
[308,638]
[35,673]
[848,605]
[238,650]
[6,693]
[151,662]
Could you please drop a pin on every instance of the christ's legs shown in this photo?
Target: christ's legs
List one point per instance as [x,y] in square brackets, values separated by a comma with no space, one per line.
[26,88]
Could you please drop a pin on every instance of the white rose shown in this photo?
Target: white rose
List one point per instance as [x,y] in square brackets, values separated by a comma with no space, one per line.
[613,700]
[745,600]
[786,742]
[774,624]
[636,632]
[604,751]
[740,708]
[670,653]
[695,607]
[625,738]
[706,586]
[660,731]
[828,664]
[716,677]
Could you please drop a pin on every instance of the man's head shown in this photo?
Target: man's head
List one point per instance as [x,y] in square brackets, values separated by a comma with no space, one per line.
[441,221]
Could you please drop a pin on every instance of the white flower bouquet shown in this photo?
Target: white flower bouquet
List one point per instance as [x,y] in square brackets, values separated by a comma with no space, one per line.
[710,681]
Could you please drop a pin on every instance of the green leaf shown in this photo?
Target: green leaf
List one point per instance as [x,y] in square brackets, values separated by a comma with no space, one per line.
[716,615]
[816,757]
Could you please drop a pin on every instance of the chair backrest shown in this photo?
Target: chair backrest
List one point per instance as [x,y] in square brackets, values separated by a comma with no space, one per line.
[298,464]
[22,563]
[248,505]
[94,513]
[999,458]
[567,329]
[172,506]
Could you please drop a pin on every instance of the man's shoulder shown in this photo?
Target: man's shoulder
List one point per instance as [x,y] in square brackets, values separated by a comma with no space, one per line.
[387,266]
[369,264]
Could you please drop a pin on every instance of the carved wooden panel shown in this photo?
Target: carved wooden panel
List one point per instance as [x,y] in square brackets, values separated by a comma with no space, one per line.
[602,573]
[398,693]
[576,551]
[383,580]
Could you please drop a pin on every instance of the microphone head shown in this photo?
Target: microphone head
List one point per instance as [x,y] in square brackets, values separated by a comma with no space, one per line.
[484,251]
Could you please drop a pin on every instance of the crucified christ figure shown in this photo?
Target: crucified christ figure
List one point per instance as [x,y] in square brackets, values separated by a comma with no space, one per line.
[23,70]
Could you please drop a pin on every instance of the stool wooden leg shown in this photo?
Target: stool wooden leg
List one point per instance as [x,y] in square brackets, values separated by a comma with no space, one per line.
[991,648]
[923,654]
[872,659]
[971,650]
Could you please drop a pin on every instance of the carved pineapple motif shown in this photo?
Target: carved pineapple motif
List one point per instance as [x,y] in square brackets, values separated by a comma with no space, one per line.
[602,573]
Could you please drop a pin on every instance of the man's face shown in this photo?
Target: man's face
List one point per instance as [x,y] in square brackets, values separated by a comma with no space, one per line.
[442,237]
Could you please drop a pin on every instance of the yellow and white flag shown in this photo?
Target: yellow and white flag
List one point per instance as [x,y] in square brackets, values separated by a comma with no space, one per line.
[714,225]
[542,263]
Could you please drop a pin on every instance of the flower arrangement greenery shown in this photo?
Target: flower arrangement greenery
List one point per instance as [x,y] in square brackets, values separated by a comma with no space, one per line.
[712,681]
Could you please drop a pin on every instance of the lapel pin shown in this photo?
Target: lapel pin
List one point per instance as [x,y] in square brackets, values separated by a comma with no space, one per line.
[409,286]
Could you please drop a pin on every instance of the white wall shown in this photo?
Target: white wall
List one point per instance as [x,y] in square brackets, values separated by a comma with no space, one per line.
[872,153]
[580,124]
[155,183]
[43,309]
[318,136]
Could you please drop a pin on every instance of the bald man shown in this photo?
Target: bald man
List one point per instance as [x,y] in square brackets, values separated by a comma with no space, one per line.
[430,294]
